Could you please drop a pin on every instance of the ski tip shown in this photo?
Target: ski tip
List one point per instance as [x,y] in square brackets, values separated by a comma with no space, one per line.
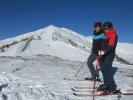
[127,93]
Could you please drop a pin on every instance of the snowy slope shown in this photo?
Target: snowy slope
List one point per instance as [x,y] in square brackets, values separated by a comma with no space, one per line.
[55,41]
[124,50]
[42,78]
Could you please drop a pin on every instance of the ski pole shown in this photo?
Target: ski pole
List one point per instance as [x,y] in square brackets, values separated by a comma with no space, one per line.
[97,74]
[94,87]
[81,67]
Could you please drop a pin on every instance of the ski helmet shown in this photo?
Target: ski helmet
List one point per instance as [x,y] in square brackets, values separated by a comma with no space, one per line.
[98,24]
[107,25]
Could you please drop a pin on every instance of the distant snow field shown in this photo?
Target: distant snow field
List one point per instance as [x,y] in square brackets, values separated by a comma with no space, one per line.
[33,66]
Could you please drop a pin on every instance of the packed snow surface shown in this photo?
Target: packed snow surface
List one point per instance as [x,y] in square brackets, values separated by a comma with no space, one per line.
[41,77]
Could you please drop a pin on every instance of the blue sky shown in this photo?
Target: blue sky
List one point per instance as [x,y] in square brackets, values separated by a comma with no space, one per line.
[21,16]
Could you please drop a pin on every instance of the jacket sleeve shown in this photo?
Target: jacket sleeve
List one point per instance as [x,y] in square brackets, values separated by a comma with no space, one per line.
[112,40]
[92,46]
[111,43]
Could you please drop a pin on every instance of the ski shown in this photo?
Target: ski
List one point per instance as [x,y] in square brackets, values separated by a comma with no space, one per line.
[101,94]
[90,88]
[82,90]
[80,80]
[88,91]
[77,87]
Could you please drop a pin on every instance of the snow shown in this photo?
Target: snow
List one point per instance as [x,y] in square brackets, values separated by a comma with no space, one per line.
[34,65]
[41,78]
[125,51]
[54,41]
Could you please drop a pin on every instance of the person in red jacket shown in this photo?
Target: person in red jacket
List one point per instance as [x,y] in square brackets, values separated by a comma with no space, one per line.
[107,55]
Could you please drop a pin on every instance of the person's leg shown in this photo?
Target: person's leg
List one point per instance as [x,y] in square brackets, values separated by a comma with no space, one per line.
[106,69]
[90,61]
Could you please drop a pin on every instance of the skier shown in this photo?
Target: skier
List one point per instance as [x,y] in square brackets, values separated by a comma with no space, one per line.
[107,54]
[98,36]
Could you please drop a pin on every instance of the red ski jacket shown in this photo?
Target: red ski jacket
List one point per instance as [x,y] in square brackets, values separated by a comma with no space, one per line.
[110,41]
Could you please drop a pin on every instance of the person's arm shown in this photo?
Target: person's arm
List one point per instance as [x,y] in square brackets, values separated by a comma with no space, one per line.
[111,43]
[108,44]
[92,45]
[93,37]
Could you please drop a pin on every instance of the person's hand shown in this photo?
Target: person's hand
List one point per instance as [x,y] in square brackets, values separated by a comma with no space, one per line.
[101,53]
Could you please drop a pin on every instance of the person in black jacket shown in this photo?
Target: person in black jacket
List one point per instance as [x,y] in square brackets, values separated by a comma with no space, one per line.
[107,53]
[98,36]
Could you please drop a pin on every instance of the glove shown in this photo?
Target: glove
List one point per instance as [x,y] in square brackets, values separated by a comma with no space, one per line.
[101,53]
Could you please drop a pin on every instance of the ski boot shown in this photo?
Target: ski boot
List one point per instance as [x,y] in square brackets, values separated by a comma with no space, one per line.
[102,87]
[110,92]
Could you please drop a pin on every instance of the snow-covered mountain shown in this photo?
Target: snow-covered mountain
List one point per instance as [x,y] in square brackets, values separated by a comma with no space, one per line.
[33,66]
[59,42]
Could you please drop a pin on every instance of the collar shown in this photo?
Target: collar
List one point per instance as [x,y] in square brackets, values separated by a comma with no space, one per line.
[98,33]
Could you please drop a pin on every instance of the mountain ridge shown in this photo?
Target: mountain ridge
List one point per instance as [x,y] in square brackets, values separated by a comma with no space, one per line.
[51,38]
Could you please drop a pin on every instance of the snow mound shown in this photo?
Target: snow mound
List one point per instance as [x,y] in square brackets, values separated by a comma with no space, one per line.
[124,51]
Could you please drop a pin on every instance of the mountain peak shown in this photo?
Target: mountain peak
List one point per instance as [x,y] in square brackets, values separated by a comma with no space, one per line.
[51,27]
